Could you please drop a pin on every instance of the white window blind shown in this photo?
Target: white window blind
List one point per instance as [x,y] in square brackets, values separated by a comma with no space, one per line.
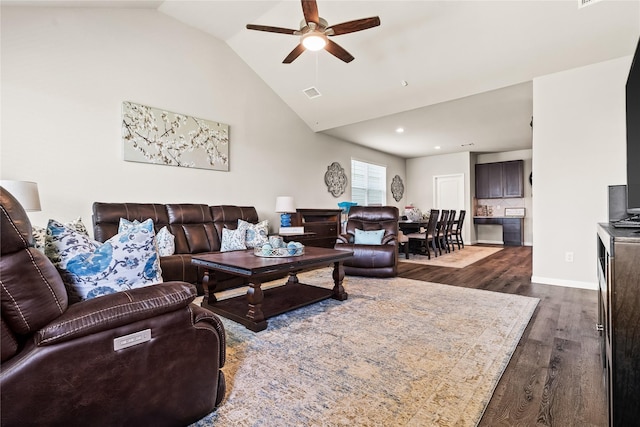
[368,183]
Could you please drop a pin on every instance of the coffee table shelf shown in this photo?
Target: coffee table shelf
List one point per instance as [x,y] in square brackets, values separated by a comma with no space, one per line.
[278,300]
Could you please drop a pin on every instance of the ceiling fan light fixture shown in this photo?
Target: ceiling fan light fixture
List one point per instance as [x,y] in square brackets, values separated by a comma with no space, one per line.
[314,40]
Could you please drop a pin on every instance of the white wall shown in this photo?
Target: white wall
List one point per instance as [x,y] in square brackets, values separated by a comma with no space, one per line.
[493,233]
[420,176]
[65,74]
[578,151]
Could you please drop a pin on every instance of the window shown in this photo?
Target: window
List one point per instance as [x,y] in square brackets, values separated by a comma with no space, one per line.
[368,183]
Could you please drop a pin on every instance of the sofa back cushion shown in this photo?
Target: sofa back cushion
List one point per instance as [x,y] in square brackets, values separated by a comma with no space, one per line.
[106,217]
[192,226]
[227,216]
[369,218]
[32,292]
[197,228]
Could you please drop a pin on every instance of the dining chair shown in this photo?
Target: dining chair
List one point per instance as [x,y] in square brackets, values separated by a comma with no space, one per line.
[427,238]
[457,229]
[440,231]
[448,235]
[403,243]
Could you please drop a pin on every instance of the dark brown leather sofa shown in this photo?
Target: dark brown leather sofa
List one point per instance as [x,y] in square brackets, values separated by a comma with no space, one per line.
[197,229]
[59,365]
[371,260]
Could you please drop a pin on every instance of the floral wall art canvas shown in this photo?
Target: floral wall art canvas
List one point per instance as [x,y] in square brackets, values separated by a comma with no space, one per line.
[151,135]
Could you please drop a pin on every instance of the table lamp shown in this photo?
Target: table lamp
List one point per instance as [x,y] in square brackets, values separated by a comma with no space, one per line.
[285,207]
[25,192]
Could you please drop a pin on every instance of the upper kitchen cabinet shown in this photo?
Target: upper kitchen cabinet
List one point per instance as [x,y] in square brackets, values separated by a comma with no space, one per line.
[500,180]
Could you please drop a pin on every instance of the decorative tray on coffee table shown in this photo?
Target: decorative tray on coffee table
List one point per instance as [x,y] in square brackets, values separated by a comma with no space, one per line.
[278,252]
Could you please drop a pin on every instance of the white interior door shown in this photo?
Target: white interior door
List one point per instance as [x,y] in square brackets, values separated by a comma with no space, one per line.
[448,192]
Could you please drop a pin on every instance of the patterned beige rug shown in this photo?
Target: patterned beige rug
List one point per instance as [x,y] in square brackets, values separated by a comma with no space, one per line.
[459,258]
[398,352]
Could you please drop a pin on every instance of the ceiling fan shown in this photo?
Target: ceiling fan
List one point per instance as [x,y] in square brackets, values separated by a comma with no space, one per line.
[314,30]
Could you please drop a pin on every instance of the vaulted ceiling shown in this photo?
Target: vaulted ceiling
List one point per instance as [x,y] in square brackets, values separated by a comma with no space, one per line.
[453,74]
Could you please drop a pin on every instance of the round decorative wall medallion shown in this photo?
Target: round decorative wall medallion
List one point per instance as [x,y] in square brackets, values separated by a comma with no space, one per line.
[335,179]
[397,188]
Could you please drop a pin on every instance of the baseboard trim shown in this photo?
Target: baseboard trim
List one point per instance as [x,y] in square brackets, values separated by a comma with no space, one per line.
[566,283]
[490,242]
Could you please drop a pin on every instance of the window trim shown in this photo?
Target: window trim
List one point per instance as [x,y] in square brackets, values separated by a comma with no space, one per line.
[382,189]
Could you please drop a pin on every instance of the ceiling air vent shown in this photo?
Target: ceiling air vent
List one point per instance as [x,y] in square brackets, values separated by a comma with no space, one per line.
[585,3]
[312,92]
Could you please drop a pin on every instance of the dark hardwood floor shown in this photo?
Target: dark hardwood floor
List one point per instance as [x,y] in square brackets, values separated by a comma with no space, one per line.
[555,375]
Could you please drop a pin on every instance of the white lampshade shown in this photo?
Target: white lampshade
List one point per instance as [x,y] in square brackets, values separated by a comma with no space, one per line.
[285,204]
[26,192]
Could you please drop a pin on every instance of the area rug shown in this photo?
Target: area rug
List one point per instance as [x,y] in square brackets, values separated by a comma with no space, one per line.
[460,258]
[398,352]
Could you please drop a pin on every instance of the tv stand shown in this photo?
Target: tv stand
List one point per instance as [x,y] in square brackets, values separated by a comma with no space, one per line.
[619,321]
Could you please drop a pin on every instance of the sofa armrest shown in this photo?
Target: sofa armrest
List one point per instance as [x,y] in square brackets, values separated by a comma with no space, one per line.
[389,239]
[203,318]
[115,310]
[345,238]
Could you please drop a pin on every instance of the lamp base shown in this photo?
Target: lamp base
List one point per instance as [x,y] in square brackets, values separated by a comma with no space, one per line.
[285,220]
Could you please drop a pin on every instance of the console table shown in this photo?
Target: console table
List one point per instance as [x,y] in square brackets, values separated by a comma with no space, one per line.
[619,321]
[324,224]
[512,228]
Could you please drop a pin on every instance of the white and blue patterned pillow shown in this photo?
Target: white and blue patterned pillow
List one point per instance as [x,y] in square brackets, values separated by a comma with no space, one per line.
[165,241]
[233,240]
[40,233]
[257,234]
[39,237]
[91,269]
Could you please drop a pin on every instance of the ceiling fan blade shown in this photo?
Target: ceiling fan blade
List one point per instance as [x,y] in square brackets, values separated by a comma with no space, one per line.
[353,26]
[310,11]
[297,51]
[337,51]
[271,29]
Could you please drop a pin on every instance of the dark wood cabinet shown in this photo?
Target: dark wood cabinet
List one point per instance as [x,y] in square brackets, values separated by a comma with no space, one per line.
[482,181]
[325,223]
[512,229]
[500,180]
[619,321]
[513,179]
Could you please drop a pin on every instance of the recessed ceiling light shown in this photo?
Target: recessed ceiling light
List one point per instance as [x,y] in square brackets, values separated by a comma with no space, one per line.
[437,147]
[399,130]
[404,83]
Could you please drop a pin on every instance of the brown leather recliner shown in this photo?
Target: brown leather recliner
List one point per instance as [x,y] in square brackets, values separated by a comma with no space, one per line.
[371,260]
[60,365]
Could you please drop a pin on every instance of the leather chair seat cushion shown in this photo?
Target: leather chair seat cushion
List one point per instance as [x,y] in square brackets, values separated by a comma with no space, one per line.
[391,271]
[371,256]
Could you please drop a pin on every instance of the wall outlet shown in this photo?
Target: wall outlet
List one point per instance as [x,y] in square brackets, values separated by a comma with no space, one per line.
[568,256]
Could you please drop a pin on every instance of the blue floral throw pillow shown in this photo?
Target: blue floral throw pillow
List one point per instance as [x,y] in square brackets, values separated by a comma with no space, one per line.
[165,241]
[91,269]
[257,234]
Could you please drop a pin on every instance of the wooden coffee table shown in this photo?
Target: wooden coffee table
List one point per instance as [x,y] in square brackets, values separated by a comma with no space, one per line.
[257,306]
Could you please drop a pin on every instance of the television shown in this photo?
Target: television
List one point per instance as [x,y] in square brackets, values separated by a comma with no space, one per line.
[633,135]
